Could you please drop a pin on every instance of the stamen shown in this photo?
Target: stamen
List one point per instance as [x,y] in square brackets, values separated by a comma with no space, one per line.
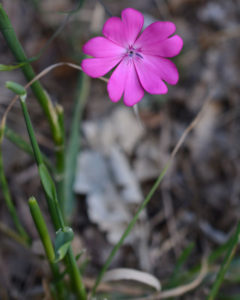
[133,52]
[139,55]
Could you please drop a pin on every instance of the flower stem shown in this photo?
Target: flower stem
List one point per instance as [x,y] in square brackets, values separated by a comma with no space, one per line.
[9,202]
[38,90]
[54,208]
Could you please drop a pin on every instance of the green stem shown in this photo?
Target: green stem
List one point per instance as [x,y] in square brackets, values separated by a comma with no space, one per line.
[36,150]
[129,228]
[54,207]
[38,157]
[60,161]
[9,202]
[75,275]
[41,228]
[39,92]
[74,143]
[47,243]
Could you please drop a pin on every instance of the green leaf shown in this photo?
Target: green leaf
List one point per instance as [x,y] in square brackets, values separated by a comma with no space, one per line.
[16,88]
[63,242]
[47,181]
[11,67]
[74,143]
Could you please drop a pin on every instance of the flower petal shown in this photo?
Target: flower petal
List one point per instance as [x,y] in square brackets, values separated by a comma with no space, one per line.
[113,29]
[149,77]
[167,48]
[154,33]
[133,22]
[117,80]
[102,47]
[96,67]
[133,91]
[165,68]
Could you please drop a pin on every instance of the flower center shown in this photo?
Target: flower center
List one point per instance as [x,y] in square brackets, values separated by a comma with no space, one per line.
[131,52]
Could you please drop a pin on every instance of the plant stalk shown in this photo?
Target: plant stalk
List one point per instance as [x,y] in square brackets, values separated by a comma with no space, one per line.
[38,90]
[60,161]
[47,244]
[55,210]
[39,160]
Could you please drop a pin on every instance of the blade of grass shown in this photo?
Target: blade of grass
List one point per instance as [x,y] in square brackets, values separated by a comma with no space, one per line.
[215,254]
[229,297]
[224,267]
[181,260]
[74,142]
[152,191]
[129,228]
[9,203]
[18,141]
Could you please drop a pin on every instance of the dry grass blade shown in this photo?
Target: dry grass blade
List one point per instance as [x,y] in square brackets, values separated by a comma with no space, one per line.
[110,288]
[183,289]
[12,234]
[192,124]
[131,274]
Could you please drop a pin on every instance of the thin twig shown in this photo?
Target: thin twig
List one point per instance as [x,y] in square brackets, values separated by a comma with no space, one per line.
[40,75]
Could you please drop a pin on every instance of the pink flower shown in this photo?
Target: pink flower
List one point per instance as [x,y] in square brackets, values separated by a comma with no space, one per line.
[140,59]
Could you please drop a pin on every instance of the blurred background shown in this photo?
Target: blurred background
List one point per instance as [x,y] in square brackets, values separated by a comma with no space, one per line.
[196,206]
